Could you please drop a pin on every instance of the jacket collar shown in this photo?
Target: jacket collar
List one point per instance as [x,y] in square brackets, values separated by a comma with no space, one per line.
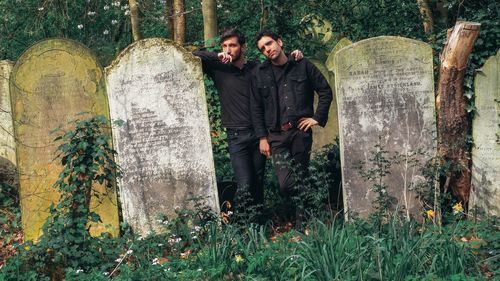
[267,63]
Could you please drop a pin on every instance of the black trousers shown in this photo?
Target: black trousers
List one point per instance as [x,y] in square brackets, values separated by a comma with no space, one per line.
[248,163]
[291,152]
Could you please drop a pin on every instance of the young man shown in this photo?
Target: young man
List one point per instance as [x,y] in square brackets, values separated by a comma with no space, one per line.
[282,108]
[231,74]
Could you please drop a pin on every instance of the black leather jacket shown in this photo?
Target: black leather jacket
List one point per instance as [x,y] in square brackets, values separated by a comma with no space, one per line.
[301,80]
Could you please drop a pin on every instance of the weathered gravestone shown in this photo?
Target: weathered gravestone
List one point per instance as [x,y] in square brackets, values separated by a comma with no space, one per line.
[164,145]
[328,134]
[7,144]
[486,133]
[51,82]
[385,96]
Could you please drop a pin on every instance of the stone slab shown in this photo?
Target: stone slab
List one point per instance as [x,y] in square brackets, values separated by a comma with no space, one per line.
[164,145]
[486,134]
[51,82]
[326,135]
[7,144]
[330,61]
[385,95]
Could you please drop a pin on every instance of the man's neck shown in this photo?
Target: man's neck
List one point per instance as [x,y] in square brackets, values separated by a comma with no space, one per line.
[240,62]
[280,60]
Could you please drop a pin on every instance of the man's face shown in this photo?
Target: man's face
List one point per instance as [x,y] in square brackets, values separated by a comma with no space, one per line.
[232,47]
[269,47]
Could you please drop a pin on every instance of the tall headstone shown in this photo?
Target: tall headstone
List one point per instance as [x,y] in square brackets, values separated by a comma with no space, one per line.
[51,82]
[8,173]
[385,96]
[486,134]
[164,147]
[328,134]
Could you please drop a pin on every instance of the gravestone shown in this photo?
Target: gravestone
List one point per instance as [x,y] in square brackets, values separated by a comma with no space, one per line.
[7,144]
[164,145]
[326,135]
[486,134]
[385,96]
[51,82]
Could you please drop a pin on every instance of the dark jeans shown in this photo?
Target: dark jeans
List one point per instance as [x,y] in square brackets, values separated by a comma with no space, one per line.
[248,163]
[291,152]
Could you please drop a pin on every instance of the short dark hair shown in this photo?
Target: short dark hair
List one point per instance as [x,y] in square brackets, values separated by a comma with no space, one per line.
[269,33]
[232,32]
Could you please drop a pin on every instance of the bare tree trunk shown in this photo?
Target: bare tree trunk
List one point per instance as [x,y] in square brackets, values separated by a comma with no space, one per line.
[453,122]
[134,19]
[209,19]
[170,18]
[179,22]
[426,14]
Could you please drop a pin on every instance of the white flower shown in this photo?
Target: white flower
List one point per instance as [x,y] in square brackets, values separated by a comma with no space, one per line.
[113,22]
[106,7]
[197,228]
[159,245]
[80,26]
[116,3]
[79,270]
[129,252]
[124,7]
[140,238]
[156,261]
[195,237]
[106,273]
[40,8]
[118,260]
[91,13]
[199,269]
[219,5]
[127,12]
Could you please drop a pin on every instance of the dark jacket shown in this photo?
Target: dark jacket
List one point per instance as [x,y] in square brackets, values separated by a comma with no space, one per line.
[301,80]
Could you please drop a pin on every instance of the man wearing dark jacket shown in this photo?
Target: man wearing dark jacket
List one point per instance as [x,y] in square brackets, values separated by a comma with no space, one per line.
[231,74]
[282,108]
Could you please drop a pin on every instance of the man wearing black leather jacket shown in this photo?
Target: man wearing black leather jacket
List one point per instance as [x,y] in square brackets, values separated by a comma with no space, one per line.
[282,108]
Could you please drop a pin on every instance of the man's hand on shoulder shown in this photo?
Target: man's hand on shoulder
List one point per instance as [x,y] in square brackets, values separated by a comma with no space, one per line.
[224,57]
[305,123]
[297,55]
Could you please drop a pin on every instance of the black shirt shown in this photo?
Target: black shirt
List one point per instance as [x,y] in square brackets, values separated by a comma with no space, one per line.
[279,73]
[233,85]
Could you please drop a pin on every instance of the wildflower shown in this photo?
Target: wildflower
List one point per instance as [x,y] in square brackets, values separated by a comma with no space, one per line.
[195,237]
[458,208]
[106,7]
[90,13]
[118,260]
[40,8]
[129,252]
[106,273]
[219,5]
[116,3]
[197,228]
[79,270]
[430,214]
[199,269]
[80,26]
[156,261]
[159,245]
[238,258]
[125,7]
[127,12]
[105,32]
[113,22]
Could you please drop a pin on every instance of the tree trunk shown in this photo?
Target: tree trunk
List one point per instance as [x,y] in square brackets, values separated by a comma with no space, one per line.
[453,122]
[179,22]
[170,18]
[426,15]
[209,20]
[134,19]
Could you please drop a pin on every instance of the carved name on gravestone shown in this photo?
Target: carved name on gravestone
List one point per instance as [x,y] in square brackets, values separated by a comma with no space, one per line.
[486,133]
[385,96]
[51,82]
[164,145]
[7,144]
